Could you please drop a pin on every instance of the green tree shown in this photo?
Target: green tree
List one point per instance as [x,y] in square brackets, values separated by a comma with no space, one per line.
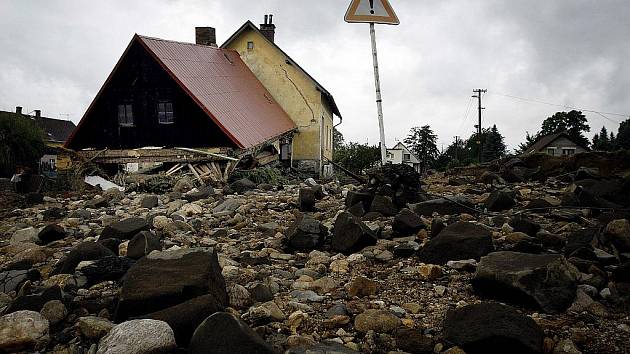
[601,141]
[573,122]
[357,157]
[622,141]
[529,141]
[476,142]
[494,145]
[338,140]
[21,143]
[423,143]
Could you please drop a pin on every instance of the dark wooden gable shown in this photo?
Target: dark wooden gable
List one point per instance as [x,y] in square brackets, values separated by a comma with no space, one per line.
[140,81]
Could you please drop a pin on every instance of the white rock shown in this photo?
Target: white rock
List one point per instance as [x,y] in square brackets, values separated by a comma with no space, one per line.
[191,209]
[138,337]
[23,331]
[28,234]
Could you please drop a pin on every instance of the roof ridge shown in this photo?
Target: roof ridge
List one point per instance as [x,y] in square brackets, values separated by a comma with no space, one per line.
[180,42]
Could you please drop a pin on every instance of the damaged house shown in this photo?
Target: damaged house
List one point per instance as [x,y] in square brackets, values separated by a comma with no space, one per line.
[198,96]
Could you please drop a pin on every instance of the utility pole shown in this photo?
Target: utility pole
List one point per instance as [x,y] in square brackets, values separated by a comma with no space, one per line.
[457,147]
[379,99]
[478,94]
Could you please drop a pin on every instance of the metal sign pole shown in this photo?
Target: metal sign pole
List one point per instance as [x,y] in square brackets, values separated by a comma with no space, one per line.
[379,100]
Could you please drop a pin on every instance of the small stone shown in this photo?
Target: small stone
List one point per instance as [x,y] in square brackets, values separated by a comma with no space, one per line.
[412,307]
[362,286]
[149,201]
[440,290]
[379,321]
[430,272]
[94,327]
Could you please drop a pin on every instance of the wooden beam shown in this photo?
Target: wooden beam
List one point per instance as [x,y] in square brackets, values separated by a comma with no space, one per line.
[192,169]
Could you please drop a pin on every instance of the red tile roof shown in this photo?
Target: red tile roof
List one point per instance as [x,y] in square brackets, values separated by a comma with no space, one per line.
[224,87]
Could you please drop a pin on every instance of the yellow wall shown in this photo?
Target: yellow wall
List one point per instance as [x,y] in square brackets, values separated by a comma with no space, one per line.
[271,68]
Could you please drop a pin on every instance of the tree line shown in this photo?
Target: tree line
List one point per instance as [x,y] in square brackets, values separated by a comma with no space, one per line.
[422,142]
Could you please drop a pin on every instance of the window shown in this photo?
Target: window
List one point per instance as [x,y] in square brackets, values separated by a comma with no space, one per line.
[407,157]
[568,151]
[250,45]
[551,151]
[165,113]
[125,115]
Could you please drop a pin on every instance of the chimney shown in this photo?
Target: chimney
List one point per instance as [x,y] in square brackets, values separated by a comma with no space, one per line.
[268,29]
[38,113]
[206,36]
[18,110]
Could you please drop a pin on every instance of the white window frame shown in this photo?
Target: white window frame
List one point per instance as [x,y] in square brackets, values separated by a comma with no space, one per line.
[165,112]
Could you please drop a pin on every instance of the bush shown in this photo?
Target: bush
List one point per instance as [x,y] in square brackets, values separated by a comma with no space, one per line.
[21,143]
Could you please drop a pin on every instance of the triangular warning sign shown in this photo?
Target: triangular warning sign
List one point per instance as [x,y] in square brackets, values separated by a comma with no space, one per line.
[371,11]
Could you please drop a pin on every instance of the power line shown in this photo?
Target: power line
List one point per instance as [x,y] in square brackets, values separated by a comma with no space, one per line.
[478,95]
[564,106]
[461,125]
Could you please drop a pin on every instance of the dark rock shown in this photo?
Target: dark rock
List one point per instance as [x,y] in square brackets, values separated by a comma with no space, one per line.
[125,229]
[617,235]
[97,203]
[12,280]
[186,317]
[414,341]
[519,174]
[458,241]
[500,200]
[34,302]
[545,281]
[142,244]
[525,225]
[202,193]
[242,185]
[580,239]
[538,204]
[437,225]
[384,205]
[54,213]
[160,281]
[260,293]
[404,251]
[111,243]
[50,233]
[450,206]
[33,198]
[528,246]
[491,178]
[149,201]
[407,223]
[586,173]
[306,199]
[222,333]
[353,198]
[491,327]
[399,182]
[106,268]
[321,348]
[86,251]
[306,233]
[350,234]
[80,214]
[605,193]
[357,210]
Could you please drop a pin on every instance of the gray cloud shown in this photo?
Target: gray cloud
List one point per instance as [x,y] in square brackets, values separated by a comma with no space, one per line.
[57,54]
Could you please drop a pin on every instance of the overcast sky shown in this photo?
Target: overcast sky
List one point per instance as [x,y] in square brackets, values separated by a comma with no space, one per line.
[56,54]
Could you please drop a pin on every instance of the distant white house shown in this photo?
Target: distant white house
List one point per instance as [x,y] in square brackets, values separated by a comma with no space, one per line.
[399,154]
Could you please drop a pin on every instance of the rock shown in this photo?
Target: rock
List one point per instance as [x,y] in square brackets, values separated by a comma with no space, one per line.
[350,234]
[242,185]
[566,346]
[27,235]
[238,295]
[477,328]
[491,178]
[23,331]
[228,205]
[306,233]
[34,302]
[307,295]
[525,225]
[170,278]
[50,233]
[469,265]
[450,206]
[149,201]
[617,233]
[500,200]
[11,280]
[92,327]
[407,223]
[97,203]
[33,198]
[260,292]
[222,333]
[54,213]
[183,185]
[156,337]
[379,321]
[142,244]
[202,193]
[362,286]
[430,272]
[106,268]
[113,194]
[414,341]
[384,205]
[545,281]
[186,317]
[54,311]
[306,199]
[125,229]
[321,348]
[353,198]
[458,241]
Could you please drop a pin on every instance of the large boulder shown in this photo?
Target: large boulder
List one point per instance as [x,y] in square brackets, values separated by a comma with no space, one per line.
[365,198]
[142,244]
[384,205]
[186,317]
[399,182]
[442,206]
[222,333]
[138,337]
[461,240]
[500,200]
[306,233]
[106,268]
[525,225]
[545,281]
[86,251]
[23,331]
[350,234]
[306,199]
[407,223]
[125,229]
[50,233]
[242,185]
[492,328]
[165,279]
